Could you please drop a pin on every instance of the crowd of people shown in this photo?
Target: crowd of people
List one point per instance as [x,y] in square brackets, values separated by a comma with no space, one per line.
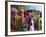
[24,20]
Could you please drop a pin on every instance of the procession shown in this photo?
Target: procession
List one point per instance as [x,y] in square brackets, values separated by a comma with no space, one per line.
[25,20]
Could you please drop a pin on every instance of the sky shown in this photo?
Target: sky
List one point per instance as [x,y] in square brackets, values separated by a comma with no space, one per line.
[35,7]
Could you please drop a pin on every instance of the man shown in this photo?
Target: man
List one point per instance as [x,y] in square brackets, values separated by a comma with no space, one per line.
[14,19]
[30,21]
[38,21]
[24,19]
[19,20]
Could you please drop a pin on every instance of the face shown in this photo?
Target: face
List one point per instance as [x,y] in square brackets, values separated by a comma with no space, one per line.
[30,13]
[38,14]
[22,10]
[14,10]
